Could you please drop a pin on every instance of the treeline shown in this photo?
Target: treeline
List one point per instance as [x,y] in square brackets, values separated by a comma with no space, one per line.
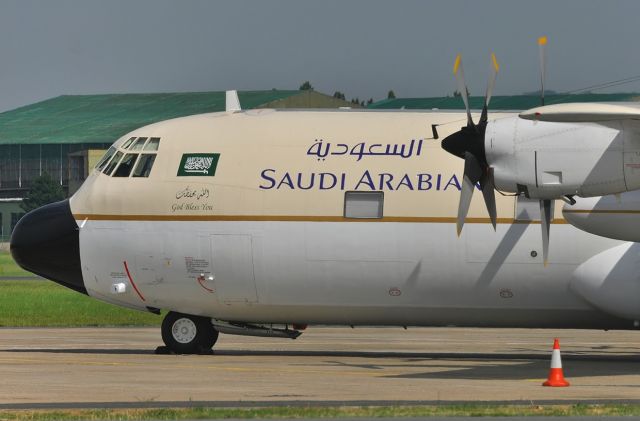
[307,86]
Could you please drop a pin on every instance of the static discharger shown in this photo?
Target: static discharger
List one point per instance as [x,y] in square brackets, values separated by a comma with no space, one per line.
[556,376]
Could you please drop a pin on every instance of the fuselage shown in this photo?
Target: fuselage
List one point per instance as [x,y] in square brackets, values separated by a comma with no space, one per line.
[262,216]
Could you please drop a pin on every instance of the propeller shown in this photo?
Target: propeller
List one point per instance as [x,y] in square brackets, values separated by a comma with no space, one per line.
[468,144]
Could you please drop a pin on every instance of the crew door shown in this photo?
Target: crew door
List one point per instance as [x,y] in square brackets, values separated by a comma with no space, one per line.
[233,268]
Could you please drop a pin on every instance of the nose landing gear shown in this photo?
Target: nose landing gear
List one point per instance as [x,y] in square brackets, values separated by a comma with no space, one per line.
[187,334]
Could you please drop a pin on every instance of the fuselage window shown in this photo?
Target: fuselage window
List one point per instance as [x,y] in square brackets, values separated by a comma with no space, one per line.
[113,163]
[143,169]
[107,156]
[126,165]
[359,204]
[137,146]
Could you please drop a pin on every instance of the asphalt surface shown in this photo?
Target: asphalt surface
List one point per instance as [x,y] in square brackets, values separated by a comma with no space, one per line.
[117,368]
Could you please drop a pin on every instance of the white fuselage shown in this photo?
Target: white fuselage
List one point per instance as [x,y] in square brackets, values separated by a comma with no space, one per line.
[253,246]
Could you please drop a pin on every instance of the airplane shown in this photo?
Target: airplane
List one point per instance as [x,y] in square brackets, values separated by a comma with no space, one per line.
[263,222]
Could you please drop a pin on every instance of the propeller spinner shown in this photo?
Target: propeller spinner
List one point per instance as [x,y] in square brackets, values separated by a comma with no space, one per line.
[468,144]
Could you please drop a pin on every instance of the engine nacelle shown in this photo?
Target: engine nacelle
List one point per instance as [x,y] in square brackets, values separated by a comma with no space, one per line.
[616,217]
[547,160]
[610,281]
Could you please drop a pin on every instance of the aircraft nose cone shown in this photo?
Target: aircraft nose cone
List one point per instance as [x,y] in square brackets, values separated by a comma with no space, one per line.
[46,242]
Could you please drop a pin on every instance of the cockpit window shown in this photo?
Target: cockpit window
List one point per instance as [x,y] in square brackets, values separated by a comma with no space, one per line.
[137,146]
[113,163]
[129,141]
[126,165]
[143,169]
[122,162]
[152,144]
[106,157]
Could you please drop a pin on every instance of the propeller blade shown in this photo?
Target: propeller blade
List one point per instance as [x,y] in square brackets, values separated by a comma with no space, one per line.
[472,174]
[486,183]
[545,222]
[462,87]
[495,68]
[542,41]
[493,73]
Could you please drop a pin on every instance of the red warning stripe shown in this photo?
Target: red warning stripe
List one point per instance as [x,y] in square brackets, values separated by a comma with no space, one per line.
[126,268]
[200,280]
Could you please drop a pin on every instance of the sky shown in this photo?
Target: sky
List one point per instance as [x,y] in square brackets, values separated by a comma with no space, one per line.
[360,47]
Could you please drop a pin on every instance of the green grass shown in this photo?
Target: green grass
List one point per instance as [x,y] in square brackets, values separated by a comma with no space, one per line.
[35,303]
[39,303]
[325,412]
[9,268]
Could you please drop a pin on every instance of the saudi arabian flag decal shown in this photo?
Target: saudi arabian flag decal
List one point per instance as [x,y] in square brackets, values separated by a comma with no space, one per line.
[198,164]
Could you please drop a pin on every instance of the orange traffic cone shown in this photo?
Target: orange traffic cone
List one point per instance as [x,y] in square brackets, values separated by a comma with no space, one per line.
[556,376]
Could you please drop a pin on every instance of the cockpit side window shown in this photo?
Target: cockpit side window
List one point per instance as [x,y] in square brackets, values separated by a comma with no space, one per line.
[105,158]
[113,163]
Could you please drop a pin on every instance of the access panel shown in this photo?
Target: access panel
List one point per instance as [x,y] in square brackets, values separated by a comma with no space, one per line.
[233,268]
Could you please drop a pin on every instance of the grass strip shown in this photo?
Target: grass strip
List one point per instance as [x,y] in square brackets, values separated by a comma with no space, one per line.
[34,303]
[9,268]
[475,410]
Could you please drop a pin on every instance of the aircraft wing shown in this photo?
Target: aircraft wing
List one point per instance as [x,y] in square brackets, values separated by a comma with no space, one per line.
[583,112]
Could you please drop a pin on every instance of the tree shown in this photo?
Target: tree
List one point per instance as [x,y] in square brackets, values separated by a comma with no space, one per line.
[370,101]
[43,191]
[339,95]
[391,94]
[457,93]
[306,86]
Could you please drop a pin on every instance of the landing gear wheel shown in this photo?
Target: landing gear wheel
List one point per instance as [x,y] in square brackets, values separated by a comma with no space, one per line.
[186,334]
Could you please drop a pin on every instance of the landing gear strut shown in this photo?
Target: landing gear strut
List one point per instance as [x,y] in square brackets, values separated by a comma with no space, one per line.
[186,334]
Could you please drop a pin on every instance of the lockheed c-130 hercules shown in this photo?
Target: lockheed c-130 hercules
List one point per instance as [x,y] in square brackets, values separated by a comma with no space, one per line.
[261,222]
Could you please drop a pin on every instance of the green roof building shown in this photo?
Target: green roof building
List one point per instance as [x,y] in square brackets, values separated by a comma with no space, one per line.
[501,103]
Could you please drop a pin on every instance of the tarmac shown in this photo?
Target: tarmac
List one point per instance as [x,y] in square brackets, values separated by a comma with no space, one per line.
[117,367]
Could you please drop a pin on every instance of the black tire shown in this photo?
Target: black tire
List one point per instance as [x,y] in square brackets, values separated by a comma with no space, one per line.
[187,334]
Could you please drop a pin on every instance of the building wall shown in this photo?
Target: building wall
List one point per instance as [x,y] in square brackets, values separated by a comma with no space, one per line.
[80,165]
[21,164]
[10,212]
